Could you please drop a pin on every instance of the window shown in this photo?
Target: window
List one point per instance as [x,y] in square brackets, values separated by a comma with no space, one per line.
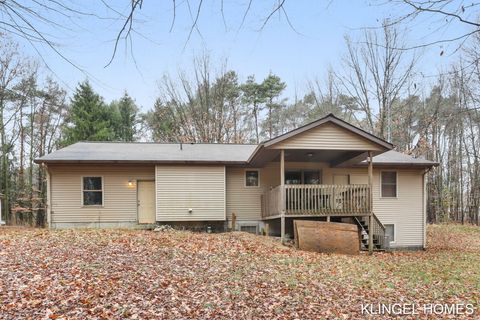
[252,178]
[293,177]
[249,228]
[389,184]
[92,190]
[311,177]
[390,232]
[303,177]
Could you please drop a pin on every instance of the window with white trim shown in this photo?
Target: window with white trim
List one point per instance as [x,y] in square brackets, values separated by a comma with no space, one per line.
[390,232]
[92,191]
[389,184]
[252,178]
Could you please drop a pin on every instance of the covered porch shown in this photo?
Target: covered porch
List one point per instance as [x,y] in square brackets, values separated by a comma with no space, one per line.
[302,197]
[337,145]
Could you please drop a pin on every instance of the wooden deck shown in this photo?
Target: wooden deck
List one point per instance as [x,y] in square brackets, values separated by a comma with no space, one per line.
[317,200]
[327,201]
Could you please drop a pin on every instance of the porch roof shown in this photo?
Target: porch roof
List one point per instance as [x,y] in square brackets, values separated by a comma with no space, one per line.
[395,158]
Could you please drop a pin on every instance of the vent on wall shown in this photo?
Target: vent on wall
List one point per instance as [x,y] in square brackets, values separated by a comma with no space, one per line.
[249,228]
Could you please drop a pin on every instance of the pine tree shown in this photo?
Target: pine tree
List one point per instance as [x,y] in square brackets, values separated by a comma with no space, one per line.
[273,87]
[254,95]
[90,119]
[127,118]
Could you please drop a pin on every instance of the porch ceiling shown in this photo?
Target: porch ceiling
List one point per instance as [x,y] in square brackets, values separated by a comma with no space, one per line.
[333,157]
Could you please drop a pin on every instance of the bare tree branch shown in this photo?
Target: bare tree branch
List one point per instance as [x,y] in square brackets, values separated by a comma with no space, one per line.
[126,28]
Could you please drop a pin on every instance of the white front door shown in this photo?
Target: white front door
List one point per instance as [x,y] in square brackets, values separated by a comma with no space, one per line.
[146,201]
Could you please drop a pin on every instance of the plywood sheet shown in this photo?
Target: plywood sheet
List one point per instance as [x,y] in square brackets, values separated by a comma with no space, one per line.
[326,237]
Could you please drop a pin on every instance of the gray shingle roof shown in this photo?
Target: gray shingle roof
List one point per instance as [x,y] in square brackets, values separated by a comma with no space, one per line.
[393,157]
[117,152]
[150,152]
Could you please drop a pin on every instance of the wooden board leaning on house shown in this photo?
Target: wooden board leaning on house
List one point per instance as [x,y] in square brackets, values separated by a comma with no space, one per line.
[326,237]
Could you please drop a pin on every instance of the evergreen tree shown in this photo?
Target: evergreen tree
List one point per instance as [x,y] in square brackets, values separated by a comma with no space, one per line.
[126,118]
[90,119]
[273,87]
[254,96]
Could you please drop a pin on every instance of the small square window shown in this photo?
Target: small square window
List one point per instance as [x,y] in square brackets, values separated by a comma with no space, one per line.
[390,232]
[252,178]
[92,191]
[389,184]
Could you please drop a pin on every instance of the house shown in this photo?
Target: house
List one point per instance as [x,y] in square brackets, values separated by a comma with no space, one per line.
[325,170]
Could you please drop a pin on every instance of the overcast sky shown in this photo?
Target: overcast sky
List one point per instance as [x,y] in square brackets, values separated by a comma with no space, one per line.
[296,56]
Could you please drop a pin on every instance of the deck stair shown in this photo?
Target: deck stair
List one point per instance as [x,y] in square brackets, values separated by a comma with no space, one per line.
[379,242]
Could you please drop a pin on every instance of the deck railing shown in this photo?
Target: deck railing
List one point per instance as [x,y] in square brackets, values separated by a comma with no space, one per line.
[273,202]
[340,200]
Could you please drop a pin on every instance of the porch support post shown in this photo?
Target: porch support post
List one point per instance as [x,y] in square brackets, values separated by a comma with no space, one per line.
[370,196]
[282,195]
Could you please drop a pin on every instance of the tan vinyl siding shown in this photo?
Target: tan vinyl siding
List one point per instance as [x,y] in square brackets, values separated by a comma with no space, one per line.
[244,201]
[120,199]
[328,137]
[241,200]
[405,211]
[183,187]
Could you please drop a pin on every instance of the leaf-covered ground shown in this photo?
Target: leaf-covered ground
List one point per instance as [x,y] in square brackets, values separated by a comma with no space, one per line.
[143,274]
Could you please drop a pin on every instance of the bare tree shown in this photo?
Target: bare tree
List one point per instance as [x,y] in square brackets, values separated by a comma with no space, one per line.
[375,74]
[196,108]
[12,69]
[441,15]
[30,20]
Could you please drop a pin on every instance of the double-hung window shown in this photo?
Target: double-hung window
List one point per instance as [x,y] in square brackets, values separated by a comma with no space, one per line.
[92,191]
[389,184]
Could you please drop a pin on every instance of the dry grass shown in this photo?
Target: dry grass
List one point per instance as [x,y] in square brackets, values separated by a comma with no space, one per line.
[143,274]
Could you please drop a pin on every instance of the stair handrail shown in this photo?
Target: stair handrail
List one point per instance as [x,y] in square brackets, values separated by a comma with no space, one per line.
[379,231]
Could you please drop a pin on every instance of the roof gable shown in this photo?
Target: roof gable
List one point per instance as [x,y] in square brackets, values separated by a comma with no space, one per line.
[329,133]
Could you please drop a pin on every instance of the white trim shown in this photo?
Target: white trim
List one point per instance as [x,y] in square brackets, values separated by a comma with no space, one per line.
[394,241]
[245,178]
[396,184]
[103,192]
